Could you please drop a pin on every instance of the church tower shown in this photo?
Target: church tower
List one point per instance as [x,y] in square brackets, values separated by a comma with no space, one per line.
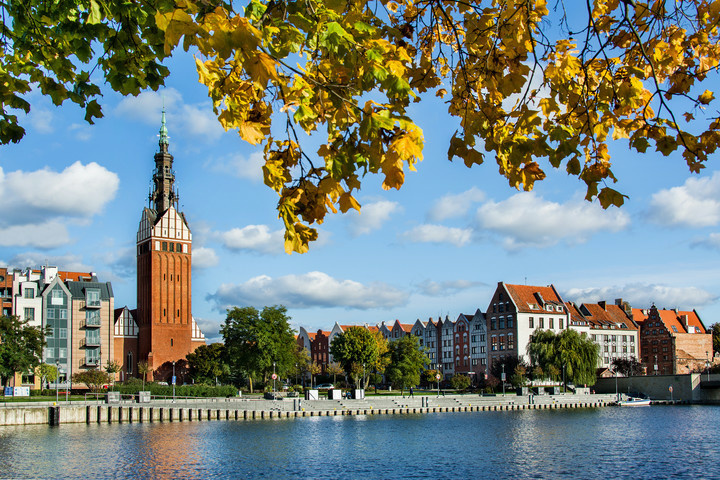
[164,283]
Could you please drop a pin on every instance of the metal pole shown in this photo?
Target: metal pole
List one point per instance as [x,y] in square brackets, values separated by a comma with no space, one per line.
[273,380]
[503,378]
[707,365]
[57,379]
[173,382]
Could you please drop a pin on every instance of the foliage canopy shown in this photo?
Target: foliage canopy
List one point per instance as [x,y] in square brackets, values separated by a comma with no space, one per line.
[356,350]
[21,346]
[568,351]
[406,362]
[531,87]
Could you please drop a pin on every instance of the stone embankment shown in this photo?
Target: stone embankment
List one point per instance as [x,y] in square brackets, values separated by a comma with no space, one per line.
[183,410]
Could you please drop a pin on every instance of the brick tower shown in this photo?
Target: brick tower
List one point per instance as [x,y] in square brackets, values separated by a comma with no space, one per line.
[164,283]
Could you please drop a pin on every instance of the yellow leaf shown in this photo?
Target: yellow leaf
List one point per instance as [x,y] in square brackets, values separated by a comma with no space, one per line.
[347,201]
[252,132]
[706,97]
[261,68]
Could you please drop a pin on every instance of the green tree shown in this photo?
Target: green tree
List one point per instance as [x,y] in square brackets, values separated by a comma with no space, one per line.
[143,369]
[460,381]
[525,86]
[716,338]
[406,362]
[334,369]
[314,369]
[570,351]
[208,363]
[355,350]
[93,379]
[47,373]
[21,347]
[257,340]
[430,376]
[112,368]
[627,367]
[519,376]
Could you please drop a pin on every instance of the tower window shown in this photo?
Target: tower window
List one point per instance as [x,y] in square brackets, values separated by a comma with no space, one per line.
[179,247]
[164,246]
[164,313]
[178,312]
[171,342]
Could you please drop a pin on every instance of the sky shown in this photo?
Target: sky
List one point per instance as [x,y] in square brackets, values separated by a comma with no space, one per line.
[73,195]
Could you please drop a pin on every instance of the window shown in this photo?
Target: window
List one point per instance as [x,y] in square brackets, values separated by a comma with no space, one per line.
[510,341]
[502,342]
[482,361]
[494,343]
[482,337]
[51,314]
[129,363]
[164,246]
[482,349]
[49,353]
[30,314]
[501,323]
[62,352]
[92,297]
[509,322]
[531,322]
[541,322]
[501,308]
[63,314]
[57,297]
[562,324]
[551,322]
[62,332]
[29,293]
[92,318]
[493,324]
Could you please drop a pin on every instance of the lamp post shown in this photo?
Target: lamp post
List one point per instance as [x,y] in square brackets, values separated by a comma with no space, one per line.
[502,378]
[173,382]
[57,379]
[296,374]
[616,385]
[564,387]
[362,384]
[274,377]
[656,365]
[707,364]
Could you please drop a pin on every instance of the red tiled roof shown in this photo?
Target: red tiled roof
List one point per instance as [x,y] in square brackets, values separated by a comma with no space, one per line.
[672,318]
[526,295]
[74,276]
[576,317]
[610,316]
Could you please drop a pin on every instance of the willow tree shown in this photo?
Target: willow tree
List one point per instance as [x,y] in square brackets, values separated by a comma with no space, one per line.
[570,352]
[530,87]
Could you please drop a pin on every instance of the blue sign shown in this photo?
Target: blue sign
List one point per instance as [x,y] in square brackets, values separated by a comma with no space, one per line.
[173,380]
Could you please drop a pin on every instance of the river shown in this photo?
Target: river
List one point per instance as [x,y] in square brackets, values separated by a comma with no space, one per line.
[632,443]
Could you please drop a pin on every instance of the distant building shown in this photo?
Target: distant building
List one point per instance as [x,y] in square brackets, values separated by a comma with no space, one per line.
[672,341]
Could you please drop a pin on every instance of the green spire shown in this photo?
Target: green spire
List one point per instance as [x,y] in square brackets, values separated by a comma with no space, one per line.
[163,130]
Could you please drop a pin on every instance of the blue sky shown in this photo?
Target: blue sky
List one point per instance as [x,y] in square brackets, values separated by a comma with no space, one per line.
[73,196]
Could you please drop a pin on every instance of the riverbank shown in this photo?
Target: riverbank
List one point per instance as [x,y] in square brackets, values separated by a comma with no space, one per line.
[204,409]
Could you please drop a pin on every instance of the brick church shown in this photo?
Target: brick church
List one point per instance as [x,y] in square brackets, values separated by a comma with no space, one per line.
[162,330]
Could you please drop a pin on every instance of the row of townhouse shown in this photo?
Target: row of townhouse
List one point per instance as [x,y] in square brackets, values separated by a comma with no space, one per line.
[74,308]
[664,341]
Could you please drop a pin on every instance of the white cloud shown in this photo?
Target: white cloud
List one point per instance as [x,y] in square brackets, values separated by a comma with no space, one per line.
[41,120]
[71,263]
[36,205]
[438,234]
[712,242]
[455,205]
[240,166]
[371,217]
[438,289]
[83,132]
[256,238]
[694,204]
[204,257]
[49,234]
[314,289]
[78,191]
[526,220]
[643,295]
[197,120]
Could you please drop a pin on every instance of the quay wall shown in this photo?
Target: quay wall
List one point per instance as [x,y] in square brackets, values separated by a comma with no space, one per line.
[234,409]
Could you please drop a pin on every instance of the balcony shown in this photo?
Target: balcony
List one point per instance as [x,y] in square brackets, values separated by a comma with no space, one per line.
[90,362]
[93,322]
[90,342]
[93,303]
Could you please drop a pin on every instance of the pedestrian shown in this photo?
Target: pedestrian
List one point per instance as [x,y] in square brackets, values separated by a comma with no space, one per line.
[411,391]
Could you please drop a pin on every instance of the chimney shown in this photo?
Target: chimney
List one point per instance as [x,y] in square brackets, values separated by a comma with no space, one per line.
[602,305]
[684,321]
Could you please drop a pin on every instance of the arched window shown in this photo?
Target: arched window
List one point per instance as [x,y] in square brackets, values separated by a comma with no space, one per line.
[129,367]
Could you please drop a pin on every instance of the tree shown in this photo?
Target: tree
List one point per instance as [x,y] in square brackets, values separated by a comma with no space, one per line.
[519,376]
[47,373]
[314,369]
[430,376]
[302,362]
[257,342]
[627,367]
[355,350]
[523,83]
[334,369]
[524,86]
[460,381]
[112,368]
[505,364]
[208,363]
[716,338]
[406,362]
[143,369]
[570,351]
[94,380]
[21,346]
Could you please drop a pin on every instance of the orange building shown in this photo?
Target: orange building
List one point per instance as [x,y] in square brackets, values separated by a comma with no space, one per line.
[166,329]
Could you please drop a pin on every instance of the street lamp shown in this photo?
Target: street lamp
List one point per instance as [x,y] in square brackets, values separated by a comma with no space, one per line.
[707,364]
[616,385]
[296,374]
[502,377]
[274,377]
[362,385]
[57,379]
[656,365]
[173,381]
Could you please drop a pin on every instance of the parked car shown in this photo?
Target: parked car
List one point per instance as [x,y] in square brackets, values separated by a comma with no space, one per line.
[325,386]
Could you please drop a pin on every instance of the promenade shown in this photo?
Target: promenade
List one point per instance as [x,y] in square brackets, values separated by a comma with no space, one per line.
[203,409]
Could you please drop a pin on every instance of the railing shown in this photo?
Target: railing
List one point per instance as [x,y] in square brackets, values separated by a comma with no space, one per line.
[91,322]
[90,342]
[90,362]
[93,304]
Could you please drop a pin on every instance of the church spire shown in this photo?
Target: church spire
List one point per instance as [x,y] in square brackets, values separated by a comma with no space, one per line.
[163,195]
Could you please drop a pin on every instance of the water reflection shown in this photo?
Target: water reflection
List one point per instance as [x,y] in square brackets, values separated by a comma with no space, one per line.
[602,443]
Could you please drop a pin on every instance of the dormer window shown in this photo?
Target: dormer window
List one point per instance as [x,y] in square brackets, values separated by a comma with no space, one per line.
[549,308]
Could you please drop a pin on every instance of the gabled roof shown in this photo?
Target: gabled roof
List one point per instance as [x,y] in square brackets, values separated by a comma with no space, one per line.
[675,318]
[576,316]
[602,315]
[532,299]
